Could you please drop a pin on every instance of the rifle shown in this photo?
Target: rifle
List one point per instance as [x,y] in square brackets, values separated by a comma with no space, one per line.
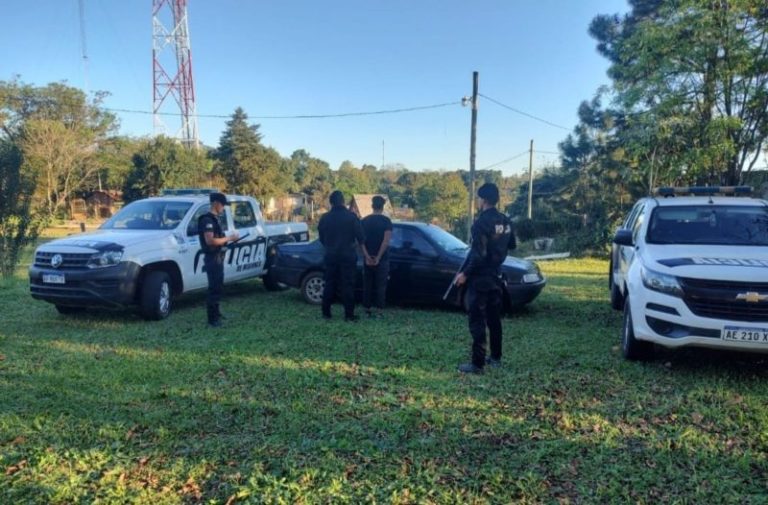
[453,281]
[241,237]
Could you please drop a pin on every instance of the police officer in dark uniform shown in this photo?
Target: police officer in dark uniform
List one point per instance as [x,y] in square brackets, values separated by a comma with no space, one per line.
[340,233]
[492,237]
[213,243]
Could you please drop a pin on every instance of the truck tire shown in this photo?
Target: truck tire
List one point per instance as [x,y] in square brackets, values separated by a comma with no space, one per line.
[68,310]
[156,296]
[631,348]
[270,284]
[312,288]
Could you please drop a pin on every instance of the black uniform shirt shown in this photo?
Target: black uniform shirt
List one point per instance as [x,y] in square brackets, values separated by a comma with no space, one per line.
[209,222]
[492,237]
[340,231]
[374,227]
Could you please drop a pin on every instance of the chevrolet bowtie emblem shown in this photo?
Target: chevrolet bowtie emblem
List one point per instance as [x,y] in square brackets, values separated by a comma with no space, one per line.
[751,297]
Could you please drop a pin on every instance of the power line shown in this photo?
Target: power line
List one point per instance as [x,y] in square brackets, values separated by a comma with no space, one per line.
[518,111]
[298,116]
[228,116]
[505,161]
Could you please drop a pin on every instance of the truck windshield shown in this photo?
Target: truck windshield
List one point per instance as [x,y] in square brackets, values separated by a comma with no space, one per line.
[709,224]
[148,215]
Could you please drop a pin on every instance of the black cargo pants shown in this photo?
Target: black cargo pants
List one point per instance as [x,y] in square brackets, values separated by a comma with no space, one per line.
[484,297]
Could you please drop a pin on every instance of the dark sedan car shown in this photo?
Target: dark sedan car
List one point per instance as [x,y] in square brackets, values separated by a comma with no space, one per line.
[423,260]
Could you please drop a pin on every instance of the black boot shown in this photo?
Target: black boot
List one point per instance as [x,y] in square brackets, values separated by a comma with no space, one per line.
[213,317]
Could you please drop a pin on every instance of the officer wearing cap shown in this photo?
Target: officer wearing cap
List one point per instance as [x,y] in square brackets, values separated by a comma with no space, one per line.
[492,237]
[340,233]
[213,243]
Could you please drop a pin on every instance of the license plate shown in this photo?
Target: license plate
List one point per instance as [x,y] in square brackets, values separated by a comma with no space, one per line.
[740,334]
[53,278]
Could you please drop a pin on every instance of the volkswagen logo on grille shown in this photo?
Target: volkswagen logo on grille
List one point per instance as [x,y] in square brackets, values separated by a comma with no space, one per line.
[56,260]
[752,297]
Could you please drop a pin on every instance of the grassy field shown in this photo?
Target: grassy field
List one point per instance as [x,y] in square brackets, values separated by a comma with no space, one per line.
[282,407]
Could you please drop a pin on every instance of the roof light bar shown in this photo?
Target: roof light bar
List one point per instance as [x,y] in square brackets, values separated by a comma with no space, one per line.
[703,190]
[189,191]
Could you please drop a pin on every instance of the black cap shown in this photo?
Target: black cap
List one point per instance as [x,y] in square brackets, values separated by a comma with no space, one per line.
[218,197]
[489,192]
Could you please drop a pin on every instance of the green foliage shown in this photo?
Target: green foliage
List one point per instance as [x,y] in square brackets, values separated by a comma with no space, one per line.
[59,131]
[281,407]
[246,165]
[691,78]
[442,196]
[162,163]
[19,224]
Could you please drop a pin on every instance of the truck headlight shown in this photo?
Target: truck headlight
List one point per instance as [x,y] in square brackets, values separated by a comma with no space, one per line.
[662,283]
[105,259]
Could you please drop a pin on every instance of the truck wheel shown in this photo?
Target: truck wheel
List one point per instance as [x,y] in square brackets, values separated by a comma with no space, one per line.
[156,296]
[312,288]
[617,299]
[68,310]
[270,284]
[631,348]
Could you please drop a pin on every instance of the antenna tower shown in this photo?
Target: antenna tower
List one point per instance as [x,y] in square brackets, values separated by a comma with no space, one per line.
[172,69]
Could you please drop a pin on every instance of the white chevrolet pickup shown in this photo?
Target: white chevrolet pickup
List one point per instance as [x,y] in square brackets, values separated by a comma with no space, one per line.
[149,253]
[692,271]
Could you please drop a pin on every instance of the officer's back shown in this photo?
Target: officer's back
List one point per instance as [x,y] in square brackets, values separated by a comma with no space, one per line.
[495,229]
[340,231]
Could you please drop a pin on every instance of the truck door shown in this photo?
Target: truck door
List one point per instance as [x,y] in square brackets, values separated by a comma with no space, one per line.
[246,257]
[190,252]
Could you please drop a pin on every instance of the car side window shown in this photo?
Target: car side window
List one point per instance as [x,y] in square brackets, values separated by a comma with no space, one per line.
[242,215]
[629,223]
[639,218]
[192,226]
[411,243]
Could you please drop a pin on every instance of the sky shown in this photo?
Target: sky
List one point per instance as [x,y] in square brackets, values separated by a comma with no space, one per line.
[310,57]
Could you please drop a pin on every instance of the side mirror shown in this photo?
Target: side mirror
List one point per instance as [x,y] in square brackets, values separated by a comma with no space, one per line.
[623,237]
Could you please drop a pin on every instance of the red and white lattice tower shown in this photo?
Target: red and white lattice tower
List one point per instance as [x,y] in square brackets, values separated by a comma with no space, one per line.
[172,69]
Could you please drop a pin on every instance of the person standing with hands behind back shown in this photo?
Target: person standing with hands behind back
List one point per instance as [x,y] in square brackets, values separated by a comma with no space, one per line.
[213,243]
[340,233]
[377,229]
[492,237]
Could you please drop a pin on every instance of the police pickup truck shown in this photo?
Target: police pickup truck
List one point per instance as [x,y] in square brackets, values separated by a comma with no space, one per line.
[149,253]
[689,267]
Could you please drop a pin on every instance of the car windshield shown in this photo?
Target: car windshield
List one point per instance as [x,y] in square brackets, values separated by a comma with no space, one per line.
[709,224]
[444,239]
[148,215]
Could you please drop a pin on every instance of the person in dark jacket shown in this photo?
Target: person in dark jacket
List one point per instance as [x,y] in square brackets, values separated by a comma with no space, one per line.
[213,243]
[492,237]
[377,229]
[340,233]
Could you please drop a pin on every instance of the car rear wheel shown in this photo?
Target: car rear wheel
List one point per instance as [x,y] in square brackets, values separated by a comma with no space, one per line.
[312,288]
[69,310]
[631,348]
[156,296]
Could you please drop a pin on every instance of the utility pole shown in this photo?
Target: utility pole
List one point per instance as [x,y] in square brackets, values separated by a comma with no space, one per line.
[473,140]
[530,181]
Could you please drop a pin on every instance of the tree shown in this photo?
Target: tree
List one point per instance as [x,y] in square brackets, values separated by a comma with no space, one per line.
[19,224]
[161,163]
[58,131]
[698,70]
[351,180]
[245,164]
[312,176]
[442,196]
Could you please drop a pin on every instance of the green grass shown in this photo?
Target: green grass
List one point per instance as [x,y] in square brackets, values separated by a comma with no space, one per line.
[282,407]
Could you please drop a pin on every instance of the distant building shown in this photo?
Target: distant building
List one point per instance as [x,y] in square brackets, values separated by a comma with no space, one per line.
[362,205]
[97,205]
[285,208]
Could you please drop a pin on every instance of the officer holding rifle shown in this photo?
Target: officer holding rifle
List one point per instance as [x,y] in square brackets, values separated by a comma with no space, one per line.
[492,237]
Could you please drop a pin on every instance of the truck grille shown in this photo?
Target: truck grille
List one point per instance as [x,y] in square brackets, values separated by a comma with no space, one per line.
[717,299]
[71,260]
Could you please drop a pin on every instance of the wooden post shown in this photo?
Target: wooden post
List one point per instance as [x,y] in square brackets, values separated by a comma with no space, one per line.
[530,181]
[472,143]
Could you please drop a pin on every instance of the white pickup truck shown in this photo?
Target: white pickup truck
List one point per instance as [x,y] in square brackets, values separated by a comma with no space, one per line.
[149,253]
